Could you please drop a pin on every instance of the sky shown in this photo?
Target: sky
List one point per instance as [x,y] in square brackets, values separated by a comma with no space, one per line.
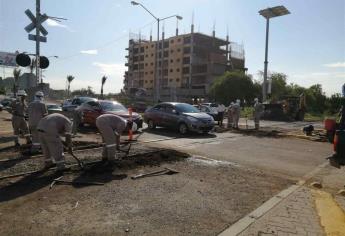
[308,45]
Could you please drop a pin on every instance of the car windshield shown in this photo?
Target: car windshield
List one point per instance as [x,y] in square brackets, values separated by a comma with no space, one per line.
[186,108]
[111,106]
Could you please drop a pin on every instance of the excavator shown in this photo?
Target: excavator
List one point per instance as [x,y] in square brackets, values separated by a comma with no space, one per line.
[288,108]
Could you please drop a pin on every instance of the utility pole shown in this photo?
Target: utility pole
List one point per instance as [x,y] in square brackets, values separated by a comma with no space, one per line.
[38,24]
[264,85]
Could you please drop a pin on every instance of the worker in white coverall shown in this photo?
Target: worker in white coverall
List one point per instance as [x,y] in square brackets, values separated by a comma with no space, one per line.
[230,115]
[111,127]
[18,110]
[236,113]
[258,109]
[50,128]
[36,111]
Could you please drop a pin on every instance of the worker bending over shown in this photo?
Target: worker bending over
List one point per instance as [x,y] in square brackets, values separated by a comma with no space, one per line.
[258,109]
[36,111]
[111,127]
[50,128]
[18,110]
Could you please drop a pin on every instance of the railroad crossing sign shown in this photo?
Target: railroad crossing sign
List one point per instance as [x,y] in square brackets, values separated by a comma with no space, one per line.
[40,38]
[33,24]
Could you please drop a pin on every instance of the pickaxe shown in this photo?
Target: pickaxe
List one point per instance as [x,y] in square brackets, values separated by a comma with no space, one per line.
[70,151]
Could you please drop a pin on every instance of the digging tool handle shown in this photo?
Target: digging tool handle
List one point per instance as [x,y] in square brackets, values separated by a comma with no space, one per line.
[78,182]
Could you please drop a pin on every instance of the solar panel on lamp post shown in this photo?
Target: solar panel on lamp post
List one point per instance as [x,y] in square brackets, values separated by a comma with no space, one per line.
[270,13]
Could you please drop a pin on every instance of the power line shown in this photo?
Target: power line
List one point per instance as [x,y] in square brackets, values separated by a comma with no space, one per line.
[107,43]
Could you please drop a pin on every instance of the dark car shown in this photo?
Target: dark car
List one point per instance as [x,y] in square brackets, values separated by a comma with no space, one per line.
[181,116]
[210,111]
[76,102]
[7,101]
[53,108]
[92,109]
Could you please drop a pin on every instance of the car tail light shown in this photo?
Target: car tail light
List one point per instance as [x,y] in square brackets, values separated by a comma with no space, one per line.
[335,142]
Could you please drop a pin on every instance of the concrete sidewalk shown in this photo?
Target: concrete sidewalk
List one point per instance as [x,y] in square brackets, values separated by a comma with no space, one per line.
[298,210]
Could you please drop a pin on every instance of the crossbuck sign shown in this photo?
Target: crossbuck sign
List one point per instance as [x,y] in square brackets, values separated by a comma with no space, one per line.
[33,25]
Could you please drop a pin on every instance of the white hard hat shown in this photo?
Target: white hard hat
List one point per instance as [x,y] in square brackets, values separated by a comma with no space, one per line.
[238,101]
[39,94]
[134,127]
[21,93]
[256,99]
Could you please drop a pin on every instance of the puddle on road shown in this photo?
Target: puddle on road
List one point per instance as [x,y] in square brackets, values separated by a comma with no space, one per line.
[210,162]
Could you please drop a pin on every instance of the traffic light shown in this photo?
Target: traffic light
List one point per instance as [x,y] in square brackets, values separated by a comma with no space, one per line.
[23,60]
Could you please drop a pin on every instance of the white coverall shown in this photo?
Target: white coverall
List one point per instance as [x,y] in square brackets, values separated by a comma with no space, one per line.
[230,116]
[36,111]
[236,114]
[50,128]
[111,127]
[258,109]
[20,127]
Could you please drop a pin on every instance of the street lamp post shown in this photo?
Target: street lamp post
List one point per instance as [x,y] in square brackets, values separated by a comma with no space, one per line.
[270,13]
[156,96]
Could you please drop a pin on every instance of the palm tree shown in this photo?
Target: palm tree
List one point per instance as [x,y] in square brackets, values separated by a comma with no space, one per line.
[16,75]
[104,78]
[70,78]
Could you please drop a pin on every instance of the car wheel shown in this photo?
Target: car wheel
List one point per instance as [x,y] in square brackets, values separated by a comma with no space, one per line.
[182,128]
[151,125]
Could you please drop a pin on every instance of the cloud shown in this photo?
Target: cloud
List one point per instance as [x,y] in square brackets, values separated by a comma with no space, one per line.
[335,65]
[111,69]
[90,52]
[53,23]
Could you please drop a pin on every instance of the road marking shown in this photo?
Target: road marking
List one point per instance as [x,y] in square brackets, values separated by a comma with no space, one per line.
[332,217]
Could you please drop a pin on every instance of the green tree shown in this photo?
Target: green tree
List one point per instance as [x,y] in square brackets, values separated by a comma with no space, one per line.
[234,85]
[278,86]
[334,103]
[295,90]
[315,99]
[70,78]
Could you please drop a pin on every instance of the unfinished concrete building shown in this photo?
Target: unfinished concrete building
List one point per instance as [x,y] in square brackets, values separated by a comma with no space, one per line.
[187,66]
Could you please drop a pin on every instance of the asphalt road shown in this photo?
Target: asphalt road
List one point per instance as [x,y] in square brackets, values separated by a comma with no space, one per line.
[289,157]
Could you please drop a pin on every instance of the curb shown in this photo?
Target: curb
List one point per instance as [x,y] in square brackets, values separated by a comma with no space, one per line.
[246,221]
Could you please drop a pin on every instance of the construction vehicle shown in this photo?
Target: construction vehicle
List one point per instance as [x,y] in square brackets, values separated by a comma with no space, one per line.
[288,108]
